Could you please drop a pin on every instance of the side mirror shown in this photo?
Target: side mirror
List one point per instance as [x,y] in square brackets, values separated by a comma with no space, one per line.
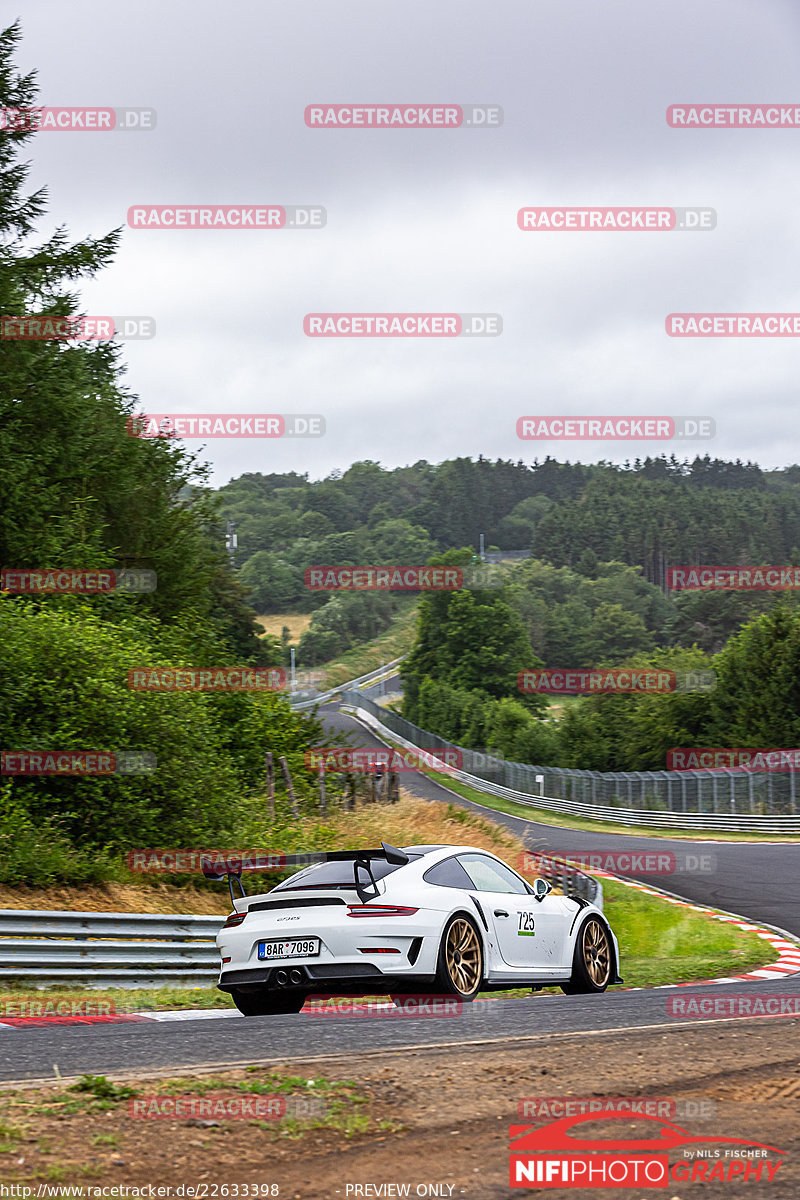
[541,888]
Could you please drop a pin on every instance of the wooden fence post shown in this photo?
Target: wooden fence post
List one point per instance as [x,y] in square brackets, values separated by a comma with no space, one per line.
[323,800]
[289,785]
[270,786]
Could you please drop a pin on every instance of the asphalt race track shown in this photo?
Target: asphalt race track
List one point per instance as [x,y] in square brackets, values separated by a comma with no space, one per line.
[108,1049]
[760,882]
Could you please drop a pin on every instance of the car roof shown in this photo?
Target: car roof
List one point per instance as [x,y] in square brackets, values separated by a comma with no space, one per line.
[446,851]
[427,849]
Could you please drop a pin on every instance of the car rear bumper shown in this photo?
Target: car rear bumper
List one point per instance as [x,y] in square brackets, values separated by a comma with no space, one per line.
[321,977]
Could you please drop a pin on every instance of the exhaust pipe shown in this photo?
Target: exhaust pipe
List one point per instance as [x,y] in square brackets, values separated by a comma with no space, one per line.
[281,978]
[296,976]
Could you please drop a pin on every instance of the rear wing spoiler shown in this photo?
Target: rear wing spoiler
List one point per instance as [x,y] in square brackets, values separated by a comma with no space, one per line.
[233,866]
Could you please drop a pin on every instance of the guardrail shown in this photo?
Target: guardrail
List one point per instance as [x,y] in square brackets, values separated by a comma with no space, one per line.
[122,950]
[665,788]
[497,556]
[351,685]
[139,950]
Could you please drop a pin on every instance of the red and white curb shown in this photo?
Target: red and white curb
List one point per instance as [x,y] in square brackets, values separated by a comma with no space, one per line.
[120,1018]
[788,962]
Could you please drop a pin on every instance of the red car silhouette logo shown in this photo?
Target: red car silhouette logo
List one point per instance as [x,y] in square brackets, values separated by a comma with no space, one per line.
[556,1136]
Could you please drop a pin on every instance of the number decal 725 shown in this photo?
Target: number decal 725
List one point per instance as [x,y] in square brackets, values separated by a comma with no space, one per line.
[525,928]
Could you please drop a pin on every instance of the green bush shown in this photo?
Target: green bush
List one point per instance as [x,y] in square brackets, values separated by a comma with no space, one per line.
[67,690]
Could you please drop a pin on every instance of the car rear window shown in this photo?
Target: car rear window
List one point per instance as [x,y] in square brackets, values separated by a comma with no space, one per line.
[338,875]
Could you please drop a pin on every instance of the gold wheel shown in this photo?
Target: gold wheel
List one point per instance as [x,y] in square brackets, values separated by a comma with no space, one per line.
[463,956]
[596,953]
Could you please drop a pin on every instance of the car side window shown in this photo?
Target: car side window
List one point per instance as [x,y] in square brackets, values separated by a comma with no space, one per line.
[490,876]
[448,873]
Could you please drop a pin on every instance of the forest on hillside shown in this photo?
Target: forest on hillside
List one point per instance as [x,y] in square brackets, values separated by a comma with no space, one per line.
[645,513]
[601,538]
[593,591]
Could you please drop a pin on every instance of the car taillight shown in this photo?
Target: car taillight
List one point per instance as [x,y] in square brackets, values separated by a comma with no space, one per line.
[234,919]
[379,910]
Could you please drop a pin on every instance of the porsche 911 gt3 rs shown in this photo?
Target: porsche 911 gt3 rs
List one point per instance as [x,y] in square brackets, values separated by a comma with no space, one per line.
[446,919]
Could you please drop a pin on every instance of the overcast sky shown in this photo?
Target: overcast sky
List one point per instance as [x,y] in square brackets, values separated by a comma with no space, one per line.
[425,220]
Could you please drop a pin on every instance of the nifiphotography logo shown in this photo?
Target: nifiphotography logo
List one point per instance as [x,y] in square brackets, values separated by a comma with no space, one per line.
[556,1155]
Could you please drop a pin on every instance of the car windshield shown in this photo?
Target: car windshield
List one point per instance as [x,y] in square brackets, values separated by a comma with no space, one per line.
[338,874]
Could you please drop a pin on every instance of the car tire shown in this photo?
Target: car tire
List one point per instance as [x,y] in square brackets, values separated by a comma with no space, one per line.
[592,960]
[459,970]
[268,1003]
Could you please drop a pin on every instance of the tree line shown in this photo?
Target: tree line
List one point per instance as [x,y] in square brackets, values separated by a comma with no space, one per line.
[78,492]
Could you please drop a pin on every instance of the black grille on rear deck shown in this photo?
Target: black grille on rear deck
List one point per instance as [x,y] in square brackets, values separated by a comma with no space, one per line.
[316,902]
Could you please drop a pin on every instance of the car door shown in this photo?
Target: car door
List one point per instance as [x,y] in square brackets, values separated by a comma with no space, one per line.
[528,932]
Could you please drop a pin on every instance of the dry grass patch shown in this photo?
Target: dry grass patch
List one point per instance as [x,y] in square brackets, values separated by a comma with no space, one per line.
[411,822]
[154,897]
[273,624]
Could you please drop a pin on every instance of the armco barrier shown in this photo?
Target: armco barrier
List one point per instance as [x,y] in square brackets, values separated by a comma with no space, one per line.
[123,950]
[138,950]
[351,685]
[733,801]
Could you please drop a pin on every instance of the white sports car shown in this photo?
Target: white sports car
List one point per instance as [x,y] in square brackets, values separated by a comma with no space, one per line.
[438,919]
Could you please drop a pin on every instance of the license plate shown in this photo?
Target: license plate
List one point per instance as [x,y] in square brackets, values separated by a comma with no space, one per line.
[293,948]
